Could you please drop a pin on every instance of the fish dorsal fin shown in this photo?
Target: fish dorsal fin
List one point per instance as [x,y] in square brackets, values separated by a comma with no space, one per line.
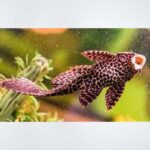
[97,55]
[70,75]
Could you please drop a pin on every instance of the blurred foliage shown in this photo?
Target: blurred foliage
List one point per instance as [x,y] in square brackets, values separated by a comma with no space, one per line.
[64,48]
[20,107]
[28,111]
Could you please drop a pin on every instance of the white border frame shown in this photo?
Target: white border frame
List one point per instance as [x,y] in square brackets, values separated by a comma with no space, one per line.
[75,14]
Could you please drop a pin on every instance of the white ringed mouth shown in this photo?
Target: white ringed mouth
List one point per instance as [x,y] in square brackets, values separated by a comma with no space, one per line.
[138,61]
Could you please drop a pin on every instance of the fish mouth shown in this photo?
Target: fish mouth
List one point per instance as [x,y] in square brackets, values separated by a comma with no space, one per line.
[138,61]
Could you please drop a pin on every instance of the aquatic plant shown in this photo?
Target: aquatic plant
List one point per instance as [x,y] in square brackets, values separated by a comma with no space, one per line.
[18,107]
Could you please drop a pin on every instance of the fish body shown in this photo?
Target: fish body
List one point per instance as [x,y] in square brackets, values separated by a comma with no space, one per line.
[109,70]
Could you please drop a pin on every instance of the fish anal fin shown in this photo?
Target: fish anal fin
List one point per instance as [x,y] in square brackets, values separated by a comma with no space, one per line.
[88,93]
[113,94]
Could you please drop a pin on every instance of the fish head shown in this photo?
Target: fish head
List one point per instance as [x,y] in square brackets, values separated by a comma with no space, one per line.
[132,60]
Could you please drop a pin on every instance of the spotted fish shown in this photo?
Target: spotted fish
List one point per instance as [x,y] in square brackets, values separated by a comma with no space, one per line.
[109,70]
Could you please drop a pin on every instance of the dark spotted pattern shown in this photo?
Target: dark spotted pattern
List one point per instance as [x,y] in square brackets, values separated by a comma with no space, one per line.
[109,70]
[72,74]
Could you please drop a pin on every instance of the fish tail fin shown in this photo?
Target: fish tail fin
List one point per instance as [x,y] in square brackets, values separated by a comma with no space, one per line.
[64,83]
[26,86]
[22,85]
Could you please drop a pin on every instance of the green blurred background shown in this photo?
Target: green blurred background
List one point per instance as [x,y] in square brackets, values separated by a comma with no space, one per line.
[64,46]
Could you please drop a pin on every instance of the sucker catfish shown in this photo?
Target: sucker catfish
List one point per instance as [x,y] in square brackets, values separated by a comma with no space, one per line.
[109,70]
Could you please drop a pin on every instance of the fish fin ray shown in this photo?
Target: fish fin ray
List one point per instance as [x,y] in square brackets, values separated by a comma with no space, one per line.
[70,75]
[88,93]
[113,94]
[97,55]
[22,85]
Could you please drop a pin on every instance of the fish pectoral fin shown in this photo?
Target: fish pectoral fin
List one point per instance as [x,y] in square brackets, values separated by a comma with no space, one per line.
[22,85]
[97,55]
[88,94]
[113,94]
